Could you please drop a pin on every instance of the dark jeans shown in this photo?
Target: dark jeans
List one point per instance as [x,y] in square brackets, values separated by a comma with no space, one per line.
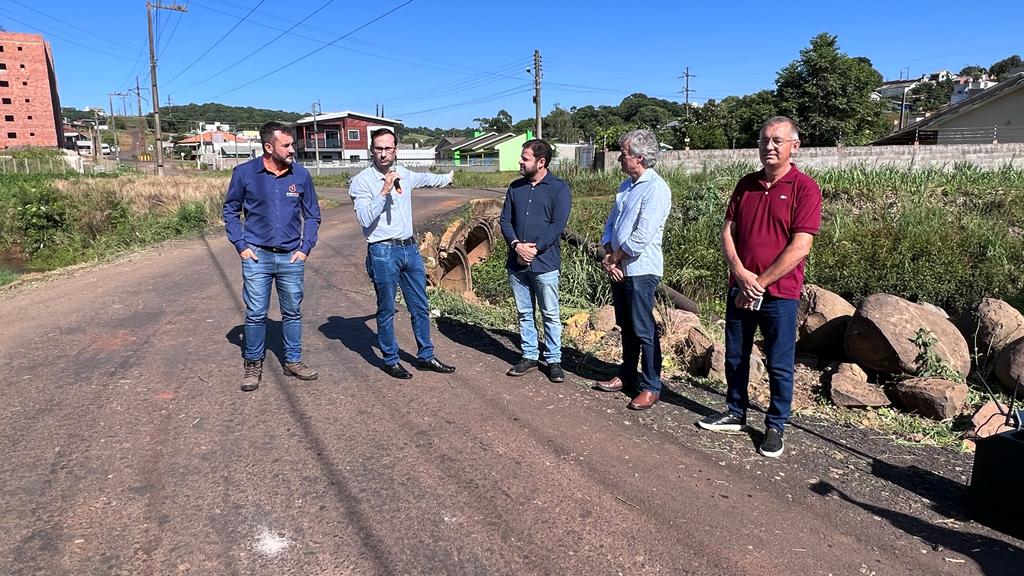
[777,321]
[391,266]
[633,299]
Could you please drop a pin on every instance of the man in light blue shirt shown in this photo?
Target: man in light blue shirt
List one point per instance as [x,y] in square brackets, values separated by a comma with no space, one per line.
[382,195]
[634,263]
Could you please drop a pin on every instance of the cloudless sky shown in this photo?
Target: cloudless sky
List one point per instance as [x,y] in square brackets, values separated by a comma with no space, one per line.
[443,63]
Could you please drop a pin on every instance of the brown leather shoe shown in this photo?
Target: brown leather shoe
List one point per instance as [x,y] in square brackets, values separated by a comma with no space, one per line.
[300,371]
[644,400]
[613,385]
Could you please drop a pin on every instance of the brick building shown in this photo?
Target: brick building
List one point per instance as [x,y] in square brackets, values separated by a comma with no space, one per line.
[29,104]
[341,136]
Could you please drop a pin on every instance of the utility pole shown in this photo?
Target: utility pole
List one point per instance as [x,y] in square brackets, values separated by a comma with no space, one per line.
[536,95]
[686,90]
[142,121]
[113,123]
[152,78]
[96,141]
[316,135]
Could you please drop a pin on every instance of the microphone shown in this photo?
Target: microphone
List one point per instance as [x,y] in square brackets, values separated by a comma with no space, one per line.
[397,182]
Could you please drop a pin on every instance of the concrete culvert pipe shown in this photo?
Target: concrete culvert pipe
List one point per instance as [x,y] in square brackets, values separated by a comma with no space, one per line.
[456,275]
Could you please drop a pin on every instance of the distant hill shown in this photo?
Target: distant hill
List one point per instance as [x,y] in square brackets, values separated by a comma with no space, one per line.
[180,119]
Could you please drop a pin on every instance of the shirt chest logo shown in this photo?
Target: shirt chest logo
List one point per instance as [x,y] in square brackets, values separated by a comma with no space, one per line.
[293,191]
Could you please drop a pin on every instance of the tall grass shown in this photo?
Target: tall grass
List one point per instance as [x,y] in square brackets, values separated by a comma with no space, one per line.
[61,222]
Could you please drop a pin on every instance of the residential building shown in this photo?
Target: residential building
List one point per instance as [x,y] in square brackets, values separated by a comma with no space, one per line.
[29,104]
[965,87]
[995,115]
[339,136]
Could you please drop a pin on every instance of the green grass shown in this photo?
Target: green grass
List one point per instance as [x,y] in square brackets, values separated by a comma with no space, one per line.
[331,180]
[7,276]
[465,179]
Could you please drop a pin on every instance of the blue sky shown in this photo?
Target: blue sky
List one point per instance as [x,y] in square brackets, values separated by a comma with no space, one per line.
[442,64]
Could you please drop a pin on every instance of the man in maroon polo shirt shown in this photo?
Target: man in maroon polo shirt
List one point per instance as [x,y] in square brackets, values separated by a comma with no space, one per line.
[770,224]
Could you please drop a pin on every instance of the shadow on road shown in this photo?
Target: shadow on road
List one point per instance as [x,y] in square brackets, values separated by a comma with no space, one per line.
[274,340]
[584,365]
[992,556]
[356,335]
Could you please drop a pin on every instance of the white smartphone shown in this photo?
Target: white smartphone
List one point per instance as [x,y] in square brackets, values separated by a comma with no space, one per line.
[757,303]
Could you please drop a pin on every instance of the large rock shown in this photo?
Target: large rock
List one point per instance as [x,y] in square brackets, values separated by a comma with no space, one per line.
[881,333]
[685,335]
[1009,367]
[821,321]
[603,319]
[717,364]
[989,420]
[989,326]
[849,387]
[850,392]
[933,398]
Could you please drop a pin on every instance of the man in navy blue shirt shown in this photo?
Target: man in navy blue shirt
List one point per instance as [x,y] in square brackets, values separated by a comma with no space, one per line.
[533,217]
[272,217]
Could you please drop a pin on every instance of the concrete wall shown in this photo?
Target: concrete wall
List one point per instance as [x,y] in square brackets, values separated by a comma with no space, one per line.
[989,156]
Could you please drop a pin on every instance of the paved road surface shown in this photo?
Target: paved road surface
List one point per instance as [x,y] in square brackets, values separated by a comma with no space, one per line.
[128,449]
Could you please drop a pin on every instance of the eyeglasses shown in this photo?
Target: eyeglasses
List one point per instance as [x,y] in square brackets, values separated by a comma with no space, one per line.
[382,149]
[777,142]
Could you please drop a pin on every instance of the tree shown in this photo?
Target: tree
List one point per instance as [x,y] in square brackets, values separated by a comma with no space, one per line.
[974,72]
[829,95]
[593,122]
[1002,68]
[559,126]
[651,117]
[501,123]
[930,96]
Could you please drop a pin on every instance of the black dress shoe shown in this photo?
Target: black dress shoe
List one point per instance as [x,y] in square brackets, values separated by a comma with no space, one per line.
[397,371]
[434,365]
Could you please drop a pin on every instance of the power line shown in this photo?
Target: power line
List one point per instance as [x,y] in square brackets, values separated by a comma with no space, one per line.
[523,89]
[59,37]
[173,30]
[70,25]
[215,44]
[307,55]
[269,42]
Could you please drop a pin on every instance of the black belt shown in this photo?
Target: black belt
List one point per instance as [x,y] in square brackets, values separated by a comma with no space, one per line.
[274,250]
[396,242]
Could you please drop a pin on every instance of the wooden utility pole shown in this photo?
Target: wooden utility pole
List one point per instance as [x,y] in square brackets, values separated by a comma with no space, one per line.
[113,124]
[152,77]
[536,95]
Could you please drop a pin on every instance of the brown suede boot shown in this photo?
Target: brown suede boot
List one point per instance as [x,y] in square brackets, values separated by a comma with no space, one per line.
[253,375]
[300,371]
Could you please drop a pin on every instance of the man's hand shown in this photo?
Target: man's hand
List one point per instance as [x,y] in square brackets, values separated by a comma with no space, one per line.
[616,274]
[743,302]
[297,255]
[608,263]
[248,254]
[389,183]
[748,285]
[526,251]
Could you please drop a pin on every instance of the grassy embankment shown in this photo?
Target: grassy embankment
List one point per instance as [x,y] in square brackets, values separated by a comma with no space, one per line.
[945,237]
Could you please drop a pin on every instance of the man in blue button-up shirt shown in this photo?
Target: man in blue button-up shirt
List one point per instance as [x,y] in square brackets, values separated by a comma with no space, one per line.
[533,217]
[634,262]
[272,217]
[382,197]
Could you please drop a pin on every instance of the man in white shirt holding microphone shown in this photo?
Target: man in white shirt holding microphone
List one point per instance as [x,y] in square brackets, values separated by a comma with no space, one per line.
[382,195]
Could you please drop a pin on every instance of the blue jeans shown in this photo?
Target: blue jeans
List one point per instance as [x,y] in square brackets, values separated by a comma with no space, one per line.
[257,276]
[633,299]
[777,320]
[392,266]
[527,288]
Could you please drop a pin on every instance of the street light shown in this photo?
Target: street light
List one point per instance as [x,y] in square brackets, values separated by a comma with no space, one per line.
[316,135]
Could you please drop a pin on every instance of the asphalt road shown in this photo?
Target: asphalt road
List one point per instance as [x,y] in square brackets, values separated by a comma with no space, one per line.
[128,449]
